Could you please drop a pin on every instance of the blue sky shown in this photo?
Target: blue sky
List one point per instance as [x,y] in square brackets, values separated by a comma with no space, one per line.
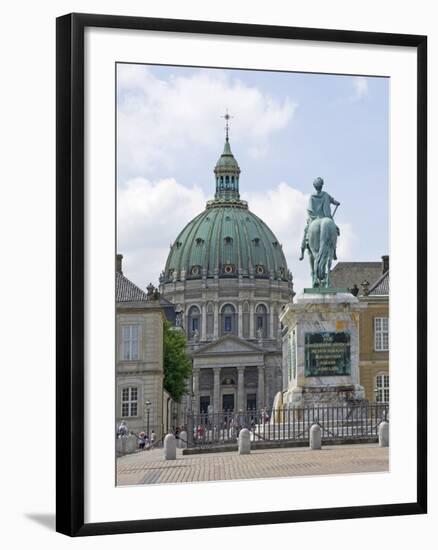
[288,128]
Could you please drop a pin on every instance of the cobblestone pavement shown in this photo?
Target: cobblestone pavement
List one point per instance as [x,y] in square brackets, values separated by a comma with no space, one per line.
[150,467]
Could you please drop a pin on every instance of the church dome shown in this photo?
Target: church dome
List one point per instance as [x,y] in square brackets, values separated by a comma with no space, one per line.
[226,240]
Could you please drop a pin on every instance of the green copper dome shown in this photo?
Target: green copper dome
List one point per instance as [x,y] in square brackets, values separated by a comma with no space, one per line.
[226,240]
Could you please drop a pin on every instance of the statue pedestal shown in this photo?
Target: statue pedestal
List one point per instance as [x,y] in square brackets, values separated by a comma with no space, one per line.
[321,349]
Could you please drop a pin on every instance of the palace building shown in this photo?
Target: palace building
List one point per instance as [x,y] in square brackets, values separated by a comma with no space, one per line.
[227,276]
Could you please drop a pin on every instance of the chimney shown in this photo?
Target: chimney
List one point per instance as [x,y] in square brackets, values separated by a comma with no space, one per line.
[119,258]
[385,264]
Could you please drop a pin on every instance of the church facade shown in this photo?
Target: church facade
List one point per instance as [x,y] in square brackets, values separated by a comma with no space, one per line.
[228,278]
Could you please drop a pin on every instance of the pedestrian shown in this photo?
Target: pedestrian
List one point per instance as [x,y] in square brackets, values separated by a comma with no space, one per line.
[152,437]
[122,430]
[141,440]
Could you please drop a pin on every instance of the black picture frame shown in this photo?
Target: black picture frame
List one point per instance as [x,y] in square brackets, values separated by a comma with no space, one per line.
[70,272]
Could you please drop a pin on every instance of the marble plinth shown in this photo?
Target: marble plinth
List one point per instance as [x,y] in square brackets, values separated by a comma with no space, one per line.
[321,349]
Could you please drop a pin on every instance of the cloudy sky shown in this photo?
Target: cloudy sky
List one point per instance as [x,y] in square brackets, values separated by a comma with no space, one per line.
[288,128]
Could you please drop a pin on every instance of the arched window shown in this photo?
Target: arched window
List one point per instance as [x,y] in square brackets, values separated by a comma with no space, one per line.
[261,321]
[194,327]
[381,389]
[228,320]
[227,182]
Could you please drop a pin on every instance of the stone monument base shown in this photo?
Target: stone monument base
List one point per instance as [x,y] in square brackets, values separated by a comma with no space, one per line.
[321,349]
[314,396]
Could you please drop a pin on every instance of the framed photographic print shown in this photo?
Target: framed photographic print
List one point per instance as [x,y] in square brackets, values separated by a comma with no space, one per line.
[241,274]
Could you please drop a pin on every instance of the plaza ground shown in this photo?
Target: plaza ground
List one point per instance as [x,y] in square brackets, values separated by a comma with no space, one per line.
[147,467]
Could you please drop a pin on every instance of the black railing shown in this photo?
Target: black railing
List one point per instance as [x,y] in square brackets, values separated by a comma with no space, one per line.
[346,422]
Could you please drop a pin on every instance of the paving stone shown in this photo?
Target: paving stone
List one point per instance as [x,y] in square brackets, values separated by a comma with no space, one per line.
[149,467]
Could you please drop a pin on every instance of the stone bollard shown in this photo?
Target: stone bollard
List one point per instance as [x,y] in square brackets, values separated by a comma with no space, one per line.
[183,440]
[384,434]
[169,447]
[244,441]
[315,437]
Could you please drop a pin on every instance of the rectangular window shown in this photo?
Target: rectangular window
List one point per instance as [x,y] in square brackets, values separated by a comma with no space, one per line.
[130,342]
[228,324]
[260,322]
[382,388]
[130,401]
[381,333]
[195,324]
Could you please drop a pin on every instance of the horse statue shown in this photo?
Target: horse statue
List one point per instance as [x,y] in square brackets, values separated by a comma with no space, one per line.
[321,241]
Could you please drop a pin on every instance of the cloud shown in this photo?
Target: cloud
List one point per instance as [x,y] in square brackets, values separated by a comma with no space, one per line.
[360,84]
[159,121]
[347,242]
[149,217]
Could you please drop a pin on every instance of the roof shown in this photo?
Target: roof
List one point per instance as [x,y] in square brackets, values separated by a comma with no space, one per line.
[348,274]
[381,286]
[127,291]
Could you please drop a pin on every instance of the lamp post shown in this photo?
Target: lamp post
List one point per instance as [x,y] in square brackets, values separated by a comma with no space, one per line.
[148,409]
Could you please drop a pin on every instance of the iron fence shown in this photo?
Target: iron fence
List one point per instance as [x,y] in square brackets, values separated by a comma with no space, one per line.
[346,422]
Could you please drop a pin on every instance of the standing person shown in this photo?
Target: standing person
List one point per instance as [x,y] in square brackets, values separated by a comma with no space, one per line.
[122,430]
[141,440]
[152,437]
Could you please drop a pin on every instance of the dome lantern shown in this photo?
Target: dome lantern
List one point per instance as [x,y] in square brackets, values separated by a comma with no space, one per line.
[227,170]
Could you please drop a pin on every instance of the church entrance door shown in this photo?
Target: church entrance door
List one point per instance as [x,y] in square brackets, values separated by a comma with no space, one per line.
[228,402]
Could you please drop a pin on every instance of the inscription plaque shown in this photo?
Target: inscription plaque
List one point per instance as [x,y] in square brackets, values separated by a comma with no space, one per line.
[327,354]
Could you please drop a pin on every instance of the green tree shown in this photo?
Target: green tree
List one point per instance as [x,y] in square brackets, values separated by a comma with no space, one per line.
[177,364]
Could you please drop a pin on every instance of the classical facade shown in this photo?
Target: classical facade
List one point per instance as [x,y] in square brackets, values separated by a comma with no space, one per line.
[227,276]
[374,340]
[369,281]
[140,398]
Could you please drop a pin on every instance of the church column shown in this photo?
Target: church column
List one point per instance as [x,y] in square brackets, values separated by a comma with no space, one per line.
[240,388]
[261,387]
[204,322]
[216,389]
[251,320]
[216,321]
[240,321]
[196,390]
[271,321]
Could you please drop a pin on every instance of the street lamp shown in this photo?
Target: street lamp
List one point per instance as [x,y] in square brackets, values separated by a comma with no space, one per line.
[148,409]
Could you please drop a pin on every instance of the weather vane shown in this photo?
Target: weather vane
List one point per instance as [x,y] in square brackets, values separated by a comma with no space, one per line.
[227,117]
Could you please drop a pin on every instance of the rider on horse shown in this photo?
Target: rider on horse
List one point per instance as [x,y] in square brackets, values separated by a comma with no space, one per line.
[318,207]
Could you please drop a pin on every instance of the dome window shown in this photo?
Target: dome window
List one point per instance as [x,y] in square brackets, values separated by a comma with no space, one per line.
[261,318]
[195,270]
[199,241]
[194,322]
[260,270]
[256,241]
[178,244]
[228,269]
[275,243]
[228,240]
[228,320]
